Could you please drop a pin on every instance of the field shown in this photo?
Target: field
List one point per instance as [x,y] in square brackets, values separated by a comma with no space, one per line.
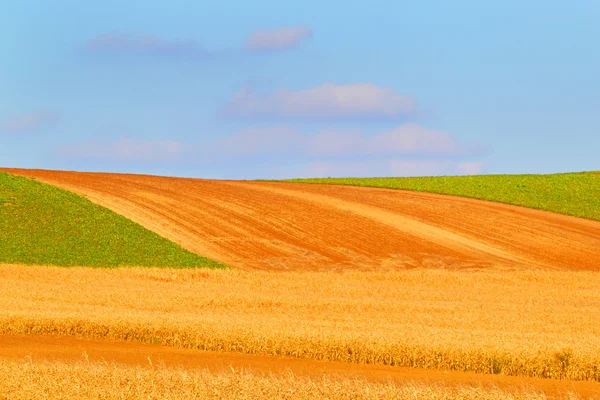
[106,380]
[446,297]
[298,227]
[576,194]
[534,323]
[42,224]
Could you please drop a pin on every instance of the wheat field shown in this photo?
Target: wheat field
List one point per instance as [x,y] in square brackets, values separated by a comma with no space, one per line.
[27,380]
[535,323]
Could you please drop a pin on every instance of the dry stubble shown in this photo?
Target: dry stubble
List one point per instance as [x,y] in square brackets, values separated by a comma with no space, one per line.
[535,323]
[26,380]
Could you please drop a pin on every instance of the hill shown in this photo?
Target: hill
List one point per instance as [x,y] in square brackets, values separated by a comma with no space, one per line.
[575,194]
[291,226]
[43,224]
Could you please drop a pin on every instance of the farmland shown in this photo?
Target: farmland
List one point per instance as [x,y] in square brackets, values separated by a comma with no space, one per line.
[298,227]
[532,324]
[576,194]
[105,380]
[362,277]
[42,224]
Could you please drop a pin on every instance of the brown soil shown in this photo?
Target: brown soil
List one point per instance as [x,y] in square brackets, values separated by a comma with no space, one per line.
[285,226]
[52,348]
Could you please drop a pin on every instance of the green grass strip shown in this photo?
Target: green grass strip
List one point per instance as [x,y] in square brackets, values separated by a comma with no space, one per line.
[576,194]
[44,225]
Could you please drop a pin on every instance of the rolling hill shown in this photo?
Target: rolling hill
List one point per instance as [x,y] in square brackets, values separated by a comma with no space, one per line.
[41,224]
[294,226]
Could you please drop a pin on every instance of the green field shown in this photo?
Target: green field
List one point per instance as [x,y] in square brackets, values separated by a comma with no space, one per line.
[43,225]
[576,194]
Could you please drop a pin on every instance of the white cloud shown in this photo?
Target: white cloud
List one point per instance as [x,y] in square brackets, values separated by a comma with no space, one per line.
[30,122]
[115,42]
[408,150]
[266,140]
[386,168]
[277,39]
[258,41]
[405,139]
[125,149]
[328,101]
[471,167]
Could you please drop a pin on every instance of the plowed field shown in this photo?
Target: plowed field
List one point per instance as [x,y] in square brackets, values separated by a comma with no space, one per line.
[283,226]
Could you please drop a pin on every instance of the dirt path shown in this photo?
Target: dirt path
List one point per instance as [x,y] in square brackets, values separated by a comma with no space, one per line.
[283,226]
[69,349]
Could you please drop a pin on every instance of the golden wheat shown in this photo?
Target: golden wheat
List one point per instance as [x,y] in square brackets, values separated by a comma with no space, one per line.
[535,323]
[26,380]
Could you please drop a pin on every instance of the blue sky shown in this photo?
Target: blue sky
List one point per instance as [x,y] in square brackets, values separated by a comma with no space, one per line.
[272,89]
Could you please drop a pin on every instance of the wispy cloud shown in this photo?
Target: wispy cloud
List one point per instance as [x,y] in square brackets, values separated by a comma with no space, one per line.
[29,122]
[407,150]
[328,101]
[394,167]
[125,149]
[406,139]
[471,167]
[115,42]
[259,41]
[277,39]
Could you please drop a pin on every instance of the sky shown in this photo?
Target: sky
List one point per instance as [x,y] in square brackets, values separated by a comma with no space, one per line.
[269,89]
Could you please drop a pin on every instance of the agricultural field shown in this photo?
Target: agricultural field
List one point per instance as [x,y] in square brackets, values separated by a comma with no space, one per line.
[484,322]
[576,194]
[299,227]
[43,224]
[338,290]
[105,380]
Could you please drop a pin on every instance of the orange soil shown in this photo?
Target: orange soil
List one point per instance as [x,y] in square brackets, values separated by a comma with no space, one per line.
[51,348]
[285,226]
